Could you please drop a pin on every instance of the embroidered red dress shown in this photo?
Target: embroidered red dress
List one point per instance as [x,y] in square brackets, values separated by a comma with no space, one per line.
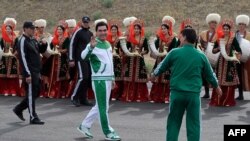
[59,76]
[160,90]
[226,72]
[135,74]
[9,65]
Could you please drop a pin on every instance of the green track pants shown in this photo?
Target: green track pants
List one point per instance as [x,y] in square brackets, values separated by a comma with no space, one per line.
[179,103]
[102,90]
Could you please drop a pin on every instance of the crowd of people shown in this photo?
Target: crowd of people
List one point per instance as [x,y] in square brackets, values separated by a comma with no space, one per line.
[64,74]
[110,64]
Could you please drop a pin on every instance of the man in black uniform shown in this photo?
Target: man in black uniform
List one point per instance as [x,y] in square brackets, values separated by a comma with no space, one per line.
[29,56]
[78,43]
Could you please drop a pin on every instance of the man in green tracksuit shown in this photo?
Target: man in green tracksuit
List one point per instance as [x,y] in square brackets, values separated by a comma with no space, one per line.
[187,65]
[99,52]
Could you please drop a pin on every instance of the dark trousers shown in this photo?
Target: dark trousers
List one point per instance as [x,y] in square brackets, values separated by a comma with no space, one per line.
[239,70]
[72,72]
[206,86]
[83,82]
[32,93]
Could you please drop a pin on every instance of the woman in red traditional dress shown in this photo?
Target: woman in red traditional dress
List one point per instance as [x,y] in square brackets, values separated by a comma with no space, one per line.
[9,65]
[226,70]
[165,42]
[135,73]
[59,75]
[127,22]
[113,37]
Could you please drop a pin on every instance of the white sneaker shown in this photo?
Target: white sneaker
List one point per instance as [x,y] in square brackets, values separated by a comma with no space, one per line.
[112,137]
[85,131]
[111,129]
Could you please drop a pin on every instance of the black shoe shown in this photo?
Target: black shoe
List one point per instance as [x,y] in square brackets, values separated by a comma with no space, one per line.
[19,114]
[206,96]
[36,121]
[240,98]
[75,102]
[86,103]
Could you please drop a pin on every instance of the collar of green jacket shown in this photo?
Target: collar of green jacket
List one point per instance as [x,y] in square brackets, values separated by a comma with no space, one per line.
[102,44]
[188,45]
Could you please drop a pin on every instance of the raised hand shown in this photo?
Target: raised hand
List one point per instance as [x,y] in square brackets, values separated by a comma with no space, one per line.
[93,42]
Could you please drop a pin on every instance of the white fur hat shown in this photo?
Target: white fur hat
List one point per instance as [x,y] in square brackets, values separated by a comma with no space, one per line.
[40,23]
[213,17]
[132,19]
[242,19]
[101,20]
[169,18]
[10,21]
[128,20]
[71,22]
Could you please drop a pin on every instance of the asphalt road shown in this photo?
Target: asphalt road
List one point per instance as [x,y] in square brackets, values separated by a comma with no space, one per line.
[132,121]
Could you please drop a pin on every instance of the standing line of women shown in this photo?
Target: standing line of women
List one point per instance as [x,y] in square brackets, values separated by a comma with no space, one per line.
[225,49]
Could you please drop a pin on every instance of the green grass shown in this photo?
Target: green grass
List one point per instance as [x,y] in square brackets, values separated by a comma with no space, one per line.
[97,15]
[107,3]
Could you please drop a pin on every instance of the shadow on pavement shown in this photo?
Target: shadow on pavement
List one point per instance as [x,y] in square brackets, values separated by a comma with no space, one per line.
[13,126]
[218,112]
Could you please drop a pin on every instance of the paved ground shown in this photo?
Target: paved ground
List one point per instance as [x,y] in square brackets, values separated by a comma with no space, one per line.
[133,121]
